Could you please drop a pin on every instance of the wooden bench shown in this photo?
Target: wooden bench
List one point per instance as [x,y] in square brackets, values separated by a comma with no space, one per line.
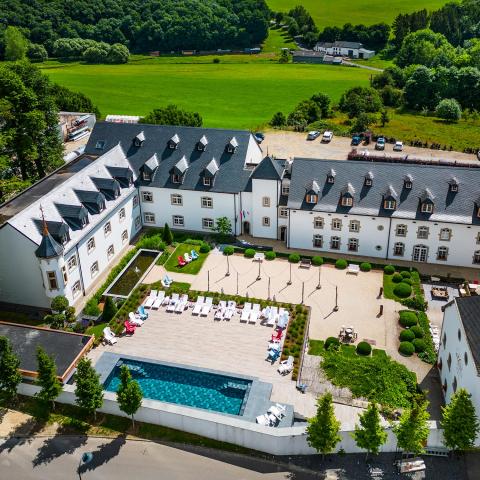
[305,263]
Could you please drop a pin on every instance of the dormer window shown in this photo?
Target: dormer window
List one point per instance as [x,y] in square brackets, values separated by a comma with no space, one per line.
[139,139]
[368,179]
[347,201]
[202,144]
[311,198]
[347,193]
[389,204]
[173,142]
[232,145]
[427,207]
[207,181]
[454,188]
[408,182]
[453,185]
[146,176]
[176,178]
[426,201]
[331,177]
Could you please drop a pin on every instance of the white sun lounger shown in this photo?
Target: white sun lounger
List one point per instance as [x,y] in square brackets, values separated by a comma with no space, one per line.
[198,305]
[231,309]
[150,300]
[254,314]
[267,420]
[109,336]
[181,304]
[222,307]
[173,302]
[286,366]
[278,410]
[159,300]
[135,320]
[207,306]
[272,317]
[246,312]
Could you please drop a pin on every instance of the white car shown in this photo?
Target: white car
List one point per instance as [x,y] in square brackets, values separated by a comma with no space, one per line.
[313,135]
[398,147]
[327,136]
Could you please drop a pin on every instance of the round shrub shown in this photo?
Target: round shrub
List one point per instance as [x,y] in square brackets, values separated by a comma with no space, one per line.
[419,345]
[228,250]
[389,269]
[270,255]
[294,258]
[331,342]
[407,335]
[397,278]
[417,330]
[249,253]
[408,281]
[405,274]
[341,264]
[364,348]
[408,319]
[205,248]
[406,348]
[365,267]
[402,290]
[317,261]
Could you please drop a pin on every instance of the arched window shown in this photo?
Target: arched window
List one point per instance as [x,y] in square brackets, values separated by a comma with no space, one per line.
[399,249]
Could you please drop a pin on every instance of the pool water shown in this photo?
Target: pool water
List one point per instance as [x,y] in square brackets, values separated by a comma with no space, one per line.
[192,388]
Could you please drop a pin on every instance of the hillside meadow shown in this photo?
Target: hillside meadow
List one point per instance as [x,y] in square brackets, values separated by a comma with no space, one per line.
[338,12]
[227,95]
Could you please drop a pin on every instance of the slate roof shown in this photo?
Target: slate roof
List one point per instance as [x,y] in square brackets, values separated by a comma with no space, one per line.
[340,44]
[268,169]
[454,207]
[232,175]
[48,247]
[469,309]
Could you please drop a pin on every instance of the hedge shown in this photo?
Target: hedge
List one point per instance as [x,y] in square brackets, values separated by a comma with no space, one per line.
[249,253]
[416,302]
[405,274]
[397,278]
[419,345]
[294,258]
[364,348]
[417,330]
[428,355]
[271,255]
[204,247]
[407,335]
[331,341]
[228,250]
[317,261]
[365,266]
[402,290]
[389,269]
[406,348]
[408,318]
[341,264]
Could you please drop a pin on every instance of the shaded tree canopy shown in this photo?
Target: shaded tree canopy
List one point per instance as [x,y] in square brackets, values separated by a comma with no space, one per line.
[172,115]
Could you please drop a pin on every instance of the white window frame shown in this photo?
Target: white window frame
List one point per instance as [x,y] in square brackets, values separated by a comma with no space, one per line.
[283,212]
[178,221]
[389,204]
[347,201]
[176,178]
[426,207]
[148,217]
[208,223]
[52,280]
[107,229]
[400,245]
[146,176]
[443,256]
[318,239]
[447,237]
[403,227]
[72,263]
[207,181]
[311,198]
[354,226]
[206,202]
[336,224]
[265,221]
[124,236]
[110,252]
[318,223]
[423,232]
[76,289]
[122,215]
[176,199]
[90,245]
[476,257]
[94,269]
[336,240]
[266,202]
[147,196]
[353,242]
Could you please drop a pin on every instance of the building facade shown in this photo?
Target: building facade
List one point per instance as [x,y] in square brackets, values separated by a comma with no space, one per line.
[344,49]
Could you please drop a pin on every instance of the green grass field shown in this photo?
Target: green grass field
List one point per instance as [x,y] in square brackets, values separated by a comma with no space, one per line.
[227,95]
[338,12]
[193,267]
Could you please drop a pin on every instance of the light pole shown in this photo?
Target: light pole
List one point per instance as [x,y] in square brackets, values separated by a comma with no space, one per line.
[319,275]
[208,280]
[303,290]
[335,308]
[290,279]
[237,283]
[268,288]
[258,276]
[228,267]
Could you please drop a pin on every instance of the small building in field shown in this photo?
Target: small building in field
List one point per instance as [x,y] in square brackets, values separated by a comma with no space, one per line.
[307,56]
[344,49]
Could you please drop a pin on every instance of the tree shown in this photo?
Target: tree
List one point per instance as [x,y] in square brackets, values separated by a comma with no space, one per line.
[359,100]
[460,422]
[109,309]
[223,226]
[370,435]
[59,303]
[322,430]
[129,394]
[69,101]
[421,89]
[278,120]
[384,118]
[363,122]
[323,102]
[47,378]
[118,53]
[167,235]
[283,57]
[412,429]
[37,52]
[88,389]
[10,377]
[172,115]
[16,44]
[449,109]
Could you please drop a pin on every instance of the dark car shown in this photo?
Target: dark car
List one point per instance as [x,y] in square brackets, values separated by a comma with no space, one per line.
[259,137]
[356,140]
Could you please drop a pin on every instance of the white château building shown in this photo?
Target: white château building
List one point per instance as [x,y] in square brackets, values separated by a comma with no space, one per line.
[134,175]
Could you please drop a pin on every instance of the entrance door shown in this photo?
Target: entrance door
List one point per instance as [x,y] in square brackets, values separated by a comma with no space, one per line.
[246,228]
[420,253]
[283,233]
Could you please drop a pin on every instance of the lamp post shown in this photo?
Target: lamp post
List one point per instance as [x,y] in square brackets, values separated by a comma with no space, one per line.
[335,308]
[237,283]
[303,290]
[319,276]
[228,267]
[208,280]
[268,288]
[258,276]
[290,279]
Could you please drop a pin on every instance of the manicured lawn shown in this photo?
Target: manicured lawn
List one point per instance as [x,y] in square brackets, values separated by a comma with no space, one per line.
[276,40]
[227,95]
[376,62]
[96,330]
[339,12]
[193,267]
[377,378]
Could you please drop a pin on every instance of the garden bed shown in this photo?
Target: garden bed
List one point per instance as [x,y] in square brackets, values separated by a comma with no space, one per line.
[193,267]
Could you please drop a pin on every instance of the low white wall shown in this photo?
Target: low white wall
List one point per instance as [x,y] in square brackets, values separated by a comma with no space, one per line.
[275,441]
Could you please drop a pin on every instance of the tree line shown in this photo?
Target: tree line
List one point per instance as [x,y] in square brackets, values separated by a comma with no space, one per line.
[140,25]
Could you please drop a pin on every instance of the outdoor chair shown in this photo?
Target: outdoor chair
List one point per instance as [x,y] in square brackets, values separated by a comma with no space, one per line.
[159,300]
[150,300]
[172,304]
[254,314]
[267,420]
[198,305]
[222,307]
[187,257]
[109,336]
[286,366]
[246,312]
[353,268]
[231,309]
[207,306]
[181,304]
[135,320]
[194,254]
[278,410]
[181,261]
[129,328]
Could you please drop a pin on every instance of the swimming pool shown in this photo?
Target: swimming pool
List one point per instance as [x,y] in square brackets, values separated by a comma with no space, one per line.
[193,388]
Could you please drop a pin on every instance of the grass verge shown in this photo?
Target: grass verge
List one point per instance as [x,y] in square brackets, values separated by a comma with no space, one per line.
[193,267]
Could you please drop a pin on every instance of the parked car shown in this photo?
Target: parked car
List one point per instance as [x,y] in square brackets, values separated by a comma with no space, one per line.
[259,137]
[327,136]
[380,145]
[356,140]
[313,135]
[398,147]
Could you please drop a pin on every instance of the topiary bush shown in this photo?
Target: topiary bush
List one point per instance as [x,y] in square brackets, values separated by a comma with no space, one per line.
[406,349]
[270,255]
[228,250]
[365,267]
[205,248]
[408,319]
[397,278]
[341,264]
[317,261]
[405,274]
[419,345]
[408,281]
[332,343]
[364,348]
[417,303]
[407,335]
[249,253]
[294,258]
[389,269]
[417,331]
[402,290]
